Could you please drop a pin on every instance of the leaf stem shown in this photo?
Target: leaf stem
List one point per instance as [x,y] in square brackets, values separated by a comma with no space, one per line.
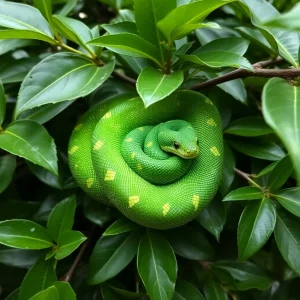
[247,177]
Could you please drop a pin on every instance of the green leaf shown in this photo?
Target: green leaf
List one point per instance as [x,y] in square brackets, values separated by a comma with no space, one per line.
[228,170]
[24,234]
[7,170]
[289,20]
[111,255]
[68,242]
[214,291]
[259,148]
[24,19]
[24,34]
[45,7]
[61,218]
[50,293]
[281,110]
[14,295]
[188,14]
[2,103]
[287,236]
[153,86]
[65,290]
[147,14]
[249,126]
[18,258]
[126,26]
[129,44]
[256,225]
[8,45]
[60,77]
[267,169]
[110,292]
[39,148]
[74,30]
[280,174]
[245,193]
[157,265]
[41,276]
[218,59]
[212,218]
[120,226]
[246,274]
[186,291]
[290,200]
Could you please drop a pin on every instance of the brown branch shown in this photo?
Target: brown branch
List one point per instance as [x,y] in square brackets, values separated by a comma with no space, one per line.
[242,73]
[68,276]
[124,78]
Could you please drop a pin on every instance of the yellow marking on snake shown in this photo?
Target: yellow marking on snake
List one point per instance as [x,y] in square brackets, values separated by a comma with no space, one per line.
[110,175]
[133,200]
[215,151]
[98,145]
[166,207]
[78,127]
[141,128]
[208,101]
[90,182]
[211,122]
[132,155]
[107,115]
[196,201]
[149,144]
[139,166]
[129,140]
[73,150]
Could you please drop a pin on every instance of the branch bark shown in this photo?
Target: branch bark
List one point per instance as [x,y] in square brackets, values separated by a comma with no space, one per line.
[258,72]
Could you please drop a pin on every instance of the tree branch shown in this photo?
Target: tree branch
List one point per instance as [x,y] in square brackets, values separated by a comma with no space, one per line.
[124,78]
[242,73]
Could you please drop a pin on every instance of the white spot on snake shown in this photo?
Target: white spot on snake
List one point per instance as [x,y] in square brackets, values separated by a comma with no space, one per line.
[107,115]
[133,200]
[139,166]
[211,122]
[166,207]
[149,144]
[196,201]
[78,127]
[215,151]
[129,140]
[208,101]
[90,182]
[132,155]
[98,145]
[110,175]
[141,128]
[73,150]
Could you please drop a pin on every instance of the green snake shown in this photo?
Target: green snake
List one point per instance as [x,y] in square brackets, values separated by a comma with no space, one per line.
[159,166]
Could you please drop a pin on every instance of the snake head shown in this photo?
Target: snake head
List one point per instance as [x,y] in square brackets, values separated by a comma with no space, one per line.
[180,138]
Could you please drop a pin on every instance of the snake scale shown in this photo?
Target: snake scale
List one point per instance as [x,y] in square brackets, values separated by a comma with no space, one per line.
[107,159]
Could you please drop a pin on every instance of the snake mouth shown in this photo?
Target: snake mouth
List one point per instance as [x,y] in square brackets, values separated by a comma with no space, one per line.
[189,155]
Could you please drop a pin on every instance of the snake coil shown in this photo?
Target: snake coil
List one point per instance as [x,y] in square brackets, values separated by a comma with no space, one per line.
[99,168]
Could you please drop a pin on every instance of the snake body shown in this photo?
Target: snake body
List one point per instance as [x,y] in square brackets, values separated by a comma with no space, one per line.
[123,154]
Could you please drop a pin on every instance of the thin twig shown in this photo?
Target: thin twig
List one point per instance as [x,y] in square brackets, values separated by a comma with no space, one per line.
[242,73]
[246,176]
[124,78]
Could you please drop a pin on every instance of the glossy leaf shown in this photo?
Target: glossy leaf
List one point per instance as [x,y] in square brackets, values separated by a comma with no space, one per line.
[246,274]
[110,292]
[212,218]
[68,242]
[68,76]
[24,34]
[287,236]
[2,103]
[18,258]
[281,109]
[39,148]
[120,226]
[249,126]
[111,255]
[65,290]
[128,44]
[157,265]
[45,7]
[24,234]
[126,26]
[7,170]
[24,19]
[67,8]
[290,200]
[244,193]
[214,291]
[12,44]
[186,291]
[188,14]
[39,277]
[153,86]
[61,218]
[147,14]
[47,294]
[256,225]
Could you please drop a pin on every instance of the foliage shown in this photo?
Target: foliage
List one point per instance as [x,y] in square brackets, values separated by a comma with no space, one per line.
[56,242]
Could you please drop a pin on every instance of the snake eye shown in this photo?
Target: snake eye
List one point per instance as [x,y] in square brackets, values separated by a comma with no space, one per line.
[176,145]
